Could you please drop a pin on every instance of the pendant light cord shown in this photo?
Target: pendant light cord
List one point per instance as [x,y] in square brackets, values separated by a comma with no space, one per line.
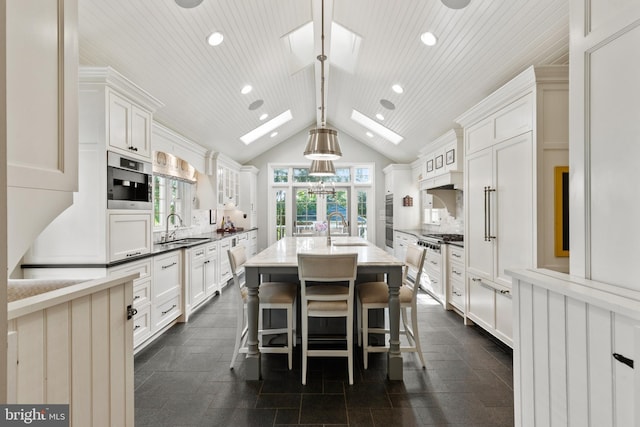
[322,58]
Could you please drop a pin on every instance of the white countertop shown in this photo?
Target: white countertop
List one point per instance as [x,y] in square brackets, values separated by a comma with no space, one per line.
[284,251]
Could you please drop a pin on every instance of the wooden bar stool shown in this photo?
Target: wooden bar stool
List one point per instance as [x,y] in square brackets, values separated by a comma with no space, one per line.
[273,295]
[375,295]
[323,294]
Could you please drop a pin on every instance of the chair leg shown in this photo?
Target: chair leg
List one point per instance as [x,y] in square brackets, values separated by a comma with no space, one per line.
[350,346]
[365,336]
[290,337]
[405,323]
[305,344]
[416,333]
[359,321]
[239,329]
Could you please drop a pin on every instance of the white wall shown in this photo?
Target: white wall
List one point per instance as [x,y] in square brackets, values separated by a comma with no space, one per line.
[290,151]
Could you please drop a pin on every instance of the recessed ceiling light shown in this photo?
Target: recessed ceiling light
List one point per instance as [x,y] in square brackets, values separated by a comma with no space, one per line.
[188,4]
[273,134]
[215,38]
[256,104]
[387,104]
[369,134]
[456,4]
[397,88]
[376,127]
[267,127]
[379,116]
[246,89]
[263,116]
[429,39]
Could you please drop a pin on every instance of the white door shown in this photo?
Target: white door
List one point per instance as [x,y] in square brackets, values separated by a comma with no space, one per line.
[311,212]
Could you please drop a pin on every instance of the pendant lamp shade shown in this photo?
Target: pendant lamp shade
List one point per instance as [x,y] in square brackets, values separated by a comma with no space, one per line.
[322,168]
[323,145]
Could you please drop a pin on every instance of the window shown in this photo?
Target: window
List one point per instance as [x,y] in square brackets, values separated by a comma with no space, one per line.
[171,196]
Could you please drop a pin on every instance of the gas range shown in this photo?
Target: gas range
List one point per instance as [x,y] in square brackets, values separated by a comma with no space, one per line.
[435,240]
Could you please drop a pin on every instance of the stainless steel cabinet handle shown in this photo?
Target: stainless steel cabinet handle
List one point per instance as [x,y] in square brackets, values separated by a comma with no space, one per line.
[485,213]
[489,191]
[165,312]
[134,254]
[169,265]
[476,279]
[454,271]
[455,255]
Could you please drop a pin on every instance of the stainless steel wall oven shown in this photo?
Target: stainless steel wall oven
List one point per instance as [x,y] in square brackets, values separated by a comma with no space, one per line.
[129,183]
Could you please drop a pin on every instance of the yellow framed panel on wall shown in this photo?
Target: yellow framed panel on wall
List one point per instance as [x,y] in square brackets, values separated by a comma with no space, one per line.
[561,202]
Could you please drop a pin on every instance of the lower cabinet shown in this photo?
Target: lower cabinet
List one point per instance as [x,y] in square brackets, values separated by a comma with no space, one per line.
[166,293]
[201,281]
[455,278]
[129,235]
[224,268]
[490,306]
[432,279]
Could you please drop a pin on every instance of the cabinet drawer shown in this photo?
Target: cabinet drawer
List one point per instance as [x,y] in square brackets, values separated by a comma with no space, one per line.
[129,235]
[142,325]
[433,262]
[456,254]
[456,272]
[481,303]
[167,273]
[142,293]
[142,267]
[212,250]
[198,253]
[457,295]
[165,312]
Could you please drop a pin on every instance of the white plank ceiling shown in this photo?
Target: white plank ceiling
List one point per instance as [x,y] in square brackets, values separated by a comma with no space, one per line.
[162,47]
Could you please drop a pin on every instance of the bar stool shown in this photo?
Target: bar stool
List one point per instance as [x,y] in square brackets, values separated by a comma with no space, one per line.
[375,295]
[273,295]
[321,299]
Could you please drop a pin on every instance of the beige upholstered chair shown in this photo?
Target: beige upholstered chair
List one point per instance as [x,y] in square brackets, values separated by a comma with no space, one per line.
[326,290]
[375,295]
[273,295]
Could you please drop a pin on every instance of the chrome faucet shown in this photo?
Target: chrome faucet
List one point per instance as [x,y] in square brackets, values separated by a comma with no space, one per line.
[166,231]
[331,215]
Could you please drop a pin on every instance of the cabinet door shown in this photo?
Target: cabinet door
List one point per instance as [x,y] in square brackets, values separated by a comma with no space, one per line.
[210,278]
[482,305]
[513,206]
[196,282]
[129,235]
[480,251]
[504,318]
[141,131]
[119,127]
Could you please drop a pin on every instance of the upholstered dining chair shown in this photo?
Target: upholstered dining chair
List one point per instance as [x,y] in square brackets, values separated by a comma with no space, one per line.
[273,295]
[326,290]
[375,295]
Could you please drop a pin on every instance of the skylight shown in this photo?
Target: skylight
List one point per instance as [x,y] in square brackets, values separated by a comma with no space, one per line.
[345,46]
[267,127]
[376,127]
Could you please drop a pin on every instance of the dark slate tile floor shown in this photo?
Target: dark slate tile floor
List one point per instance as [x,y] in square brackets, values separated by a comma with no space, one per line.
[183,379]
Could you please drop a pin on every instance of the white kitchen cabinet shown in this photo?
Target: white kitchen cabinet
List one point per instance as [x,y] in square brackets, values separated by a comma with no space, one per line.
[128,127]
[400,243]
[129,234]
[248,197]
[455,279]
[166,292]
[224,268]
[432,277]
[252,249]
[141,297]
[513,140]
[399,183]
[201,282]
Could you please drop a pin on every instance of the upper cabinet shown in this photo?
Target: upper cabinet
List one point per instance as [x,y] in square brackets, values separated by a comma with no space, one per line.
[41,116]
[129,127]
[227,173]
[442,162]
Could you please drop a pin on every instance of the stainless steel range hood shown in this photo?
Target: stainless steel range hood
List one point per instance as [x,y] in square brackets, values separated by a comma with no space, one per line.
[446,181]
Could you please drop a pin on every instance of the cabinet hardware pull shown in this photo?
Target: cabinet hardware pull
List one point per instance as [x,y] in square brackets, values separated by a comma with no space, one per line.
[169,265]
[136,297]
[485,213]
[476,279]
[134,254]
[620,358]
[455,255]
[489,191]
[504,292]
[456,272]
[137,327]
[199,253]
[131,312]
[165,312]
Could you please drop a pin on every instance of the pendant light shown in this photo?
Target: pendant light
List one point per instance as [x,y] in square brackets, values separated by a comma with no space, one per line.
[322,168]
[323,142]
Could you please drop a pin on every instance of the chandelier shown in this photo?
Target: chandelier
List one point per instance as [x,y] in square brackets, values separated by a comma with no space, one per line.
[323,142]
[320,189]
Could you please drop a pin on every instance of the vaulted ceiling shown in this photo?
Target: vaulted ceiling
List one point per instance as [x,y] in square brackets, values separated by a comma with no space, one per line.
[162,47]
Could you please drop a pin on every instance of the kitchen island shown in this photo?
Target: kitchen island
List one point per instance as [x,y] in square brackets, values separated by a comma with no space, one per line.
[281,258]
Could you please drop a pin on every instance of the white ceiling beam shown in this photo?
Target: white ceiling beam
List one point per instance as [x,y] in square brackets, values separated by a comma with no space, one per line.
[317,43]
